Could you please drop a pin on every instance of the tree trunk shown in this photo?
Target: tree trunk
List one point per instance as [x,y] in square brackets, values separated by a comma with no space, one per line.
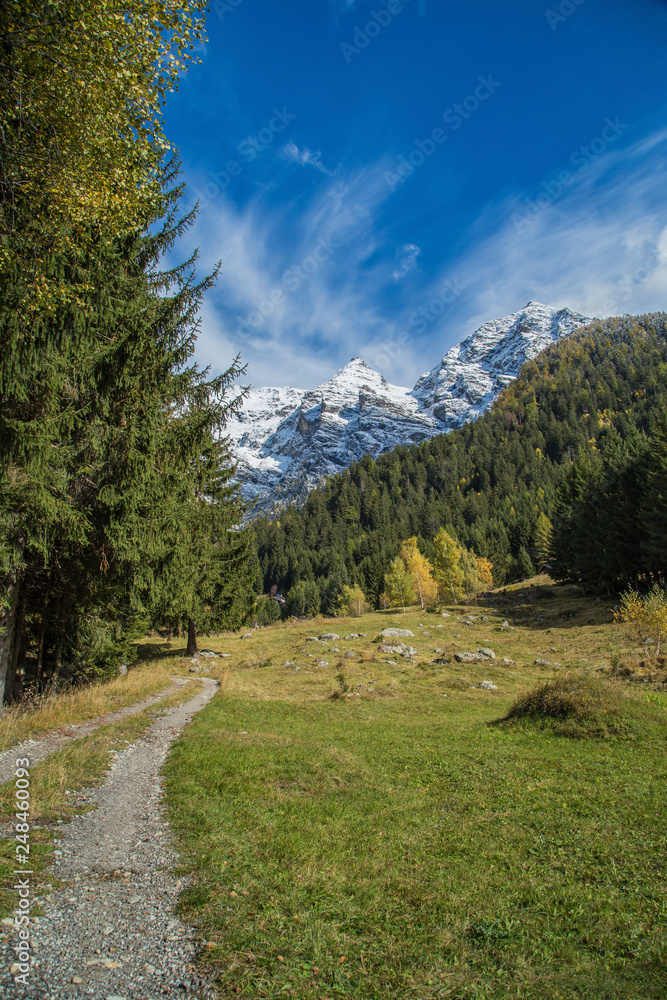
[18,648]
[192,638]
[8,626]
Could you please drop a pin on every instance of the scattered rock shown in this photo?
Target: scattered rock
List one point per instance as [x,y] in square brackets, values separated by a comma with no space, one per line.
[248,635]
[468,657]
[208,652]
[334,649]
[400,632]
[288,663]
[506,661]
[441,660]
[485,651]
[352,635]
[488,686]
[349,655]
[329,637]
[322,663]
[312,638]
[445,614]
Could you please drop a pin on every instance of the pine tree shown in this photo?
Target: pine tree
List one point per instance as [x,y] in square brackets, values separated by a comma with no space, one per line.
[542,539]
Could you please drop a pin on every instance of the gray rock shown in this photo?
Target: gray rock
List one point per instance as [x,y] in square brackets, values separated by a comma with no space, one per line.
[400,632]
[441,660]
[506,661]
[288,663]
[445,614]
[540,662]
[322,663]
[329,637]
[349,655]
[208,652]
[352,635]
[488,686]
[248,635]
[312,638]
[468,657]
[485,651]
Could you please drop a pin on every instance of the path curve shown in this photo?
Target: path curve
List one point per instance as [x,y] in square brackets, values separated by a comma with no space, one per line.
[47,743]
[110,932]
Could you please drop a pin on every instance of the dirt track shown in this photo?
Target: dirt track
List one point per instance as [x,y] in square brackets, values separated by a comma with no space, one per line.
[109,933]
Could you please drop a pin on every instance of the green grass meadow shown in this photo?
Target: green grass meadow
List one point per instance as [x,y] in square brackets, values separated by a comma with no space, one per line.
[398,842]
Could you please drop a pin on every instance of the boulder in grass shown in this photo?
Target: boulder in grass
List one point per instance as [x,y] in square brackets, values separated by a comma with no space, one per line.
[397,632]
[329,637]
[488,686]
[488,653]
[352,635]
[468,657]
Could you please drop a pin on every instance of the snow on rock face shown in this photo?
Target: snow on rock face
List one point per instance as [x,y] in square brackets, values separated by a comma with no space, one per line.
[285,440]
[474,373]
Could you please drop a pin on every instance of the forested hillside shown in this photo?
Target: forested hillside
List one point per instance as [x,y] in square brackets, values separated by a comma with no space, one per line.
[494,484]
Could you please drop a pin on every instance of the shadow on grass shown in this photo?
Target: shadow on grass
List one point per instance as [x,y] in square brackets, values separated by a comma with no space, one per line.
[147,651]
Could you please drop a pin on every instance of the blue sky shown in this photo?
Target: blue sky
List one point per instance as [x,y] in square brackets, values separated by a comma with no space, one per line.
[380,178]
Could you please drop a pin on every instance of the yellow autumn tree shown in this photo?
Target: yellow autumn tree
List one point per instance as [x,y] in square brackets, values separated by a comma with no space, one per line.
[421,572]
[447,566]
[82,88]
[485,570]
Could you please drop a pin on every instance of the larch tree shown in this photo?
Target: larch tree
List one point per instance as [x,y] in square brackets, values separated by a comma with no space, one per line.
[399,585]
[421,572]
[447,565]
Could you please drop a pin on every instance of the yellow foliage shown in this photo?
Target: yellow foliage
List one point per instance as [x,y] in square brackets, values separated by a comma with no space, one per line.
[644,617]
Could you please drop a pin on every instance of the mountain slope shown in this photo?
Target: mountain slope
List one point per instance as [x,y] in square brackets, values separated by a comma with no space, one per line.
[286,440]
[489,481]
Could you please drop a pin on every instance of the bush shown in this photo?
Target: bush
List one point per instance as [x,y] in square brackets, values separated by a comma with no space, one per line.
[645,618]
[576,701]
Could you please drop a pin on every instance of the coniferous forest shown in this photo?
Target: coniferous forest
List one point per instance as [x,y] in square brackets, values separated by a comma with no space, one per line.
[116,508]
[568,469]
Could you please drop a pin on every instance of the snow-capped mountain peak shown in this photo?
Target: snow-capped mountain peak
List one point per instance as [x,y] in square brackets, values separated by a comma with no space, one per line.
[287,439]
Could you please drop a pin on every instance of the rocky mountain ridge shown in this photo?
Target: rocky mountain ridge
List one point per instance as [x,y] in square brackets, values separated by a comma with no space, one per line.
[286,440]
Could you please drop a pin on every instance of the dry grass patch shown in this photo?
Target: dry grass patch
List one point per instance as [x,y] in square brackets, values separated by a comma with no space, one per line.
[53,710]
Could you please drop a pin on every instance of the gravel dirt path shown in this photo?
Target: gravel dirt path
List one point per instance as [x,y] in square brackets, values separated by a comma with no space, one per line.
[56,739]
[110,933]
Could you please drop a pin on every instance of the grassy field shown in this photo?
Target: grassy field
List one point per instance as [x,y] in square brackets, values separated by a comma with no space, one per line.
[396,841]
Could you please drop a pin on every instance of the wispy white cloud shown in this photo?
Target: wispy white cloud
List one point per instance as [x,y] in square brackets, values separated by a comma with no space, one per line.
[309,284]
[304,157]
[407,260]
